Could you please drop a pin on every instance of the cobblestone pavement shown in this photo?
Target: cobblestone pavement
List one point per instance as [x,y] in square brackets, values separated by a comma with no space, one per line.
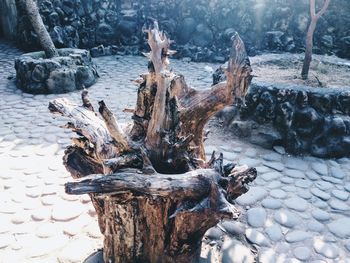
[296,210]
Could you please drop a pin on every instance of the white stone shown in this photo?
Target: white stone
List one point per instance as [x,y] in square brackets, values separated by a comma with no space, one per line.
[320,215]
[287,218]
[278,193]
[274,232]
[234,252]
[319,193]
[332,180]
[312,175]
[296,164]
[48,229]
[296,203]
[340,227]
[65,211]
[304,193]
[302,183]
[289,188]
[6,240]
[287,180]
[342,195]
[274,165]
[297,235]
[41,213]
[46,246]
[337,172]
[274,184]
[257,237]
[254,195]
[302,253]
[76,250]
[270,176]
[347,187]
[271,203]
[326,249]
[294,173]
[313,225]
[324,185]
[256,217]
[272,157]
[267,256]
[339,205]
[320,168]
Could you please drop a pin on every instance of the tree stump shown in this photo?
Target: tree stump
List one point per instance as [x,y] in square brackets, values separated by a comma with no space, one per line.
[154,192]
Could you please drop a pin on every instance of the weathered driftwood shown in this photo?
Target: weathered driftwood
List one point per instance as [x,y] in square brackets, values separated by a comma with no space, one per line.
[153,190]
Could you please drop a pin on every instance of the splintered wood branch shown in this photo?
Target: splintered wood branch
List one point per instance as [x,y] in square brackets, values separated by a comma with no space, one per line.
[113,126]
[194,184]
[86,101]
[89,125]
[198,106]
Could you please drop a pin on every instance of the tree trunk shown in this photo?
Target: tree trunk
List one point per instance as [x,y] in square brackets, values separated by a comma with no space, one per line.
[310,35]
[154,192]
[308,49]
[36,21]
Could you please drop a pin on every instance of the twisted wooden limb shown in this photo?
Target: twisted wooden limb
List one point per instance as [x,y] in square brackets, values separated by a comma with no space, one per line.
[113,126]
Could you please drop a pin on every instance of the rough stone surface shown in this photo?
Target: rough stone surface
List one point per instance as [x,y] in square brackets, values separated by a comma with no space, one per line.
[339,205]
[257,237]
[234,252]
[296,203]
[326,249]
[271,203]
[320,215]
[341,195]
[274,232]
[256,217]
[72,70]
[300,118]
[251,197]
[319,193]
[297,236]
[302,253]
[286,218]
[200,33]
[340,227]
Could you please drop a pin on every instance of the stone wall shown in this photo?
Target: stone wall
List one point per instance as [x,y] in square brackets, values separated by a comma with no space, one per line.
[71,70]
[302,119]
[201,28]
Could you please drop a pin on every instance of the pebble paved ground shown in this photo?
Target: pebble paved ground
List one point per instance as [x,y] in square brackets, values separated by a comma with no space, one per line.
[298,209]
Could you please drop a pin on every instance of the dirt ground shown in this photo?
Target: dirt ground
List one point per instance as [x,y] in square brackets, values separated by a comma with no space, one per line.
[325,71]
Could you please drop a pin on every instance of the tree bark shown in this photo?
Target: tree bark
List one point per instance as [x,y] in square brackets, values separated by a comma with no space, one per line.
[310,35]
[37,23]
[153,189]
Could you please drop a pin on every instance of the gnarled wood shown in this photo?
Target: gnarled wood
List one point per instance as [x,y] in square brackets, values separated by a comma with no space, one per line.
[153,190]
